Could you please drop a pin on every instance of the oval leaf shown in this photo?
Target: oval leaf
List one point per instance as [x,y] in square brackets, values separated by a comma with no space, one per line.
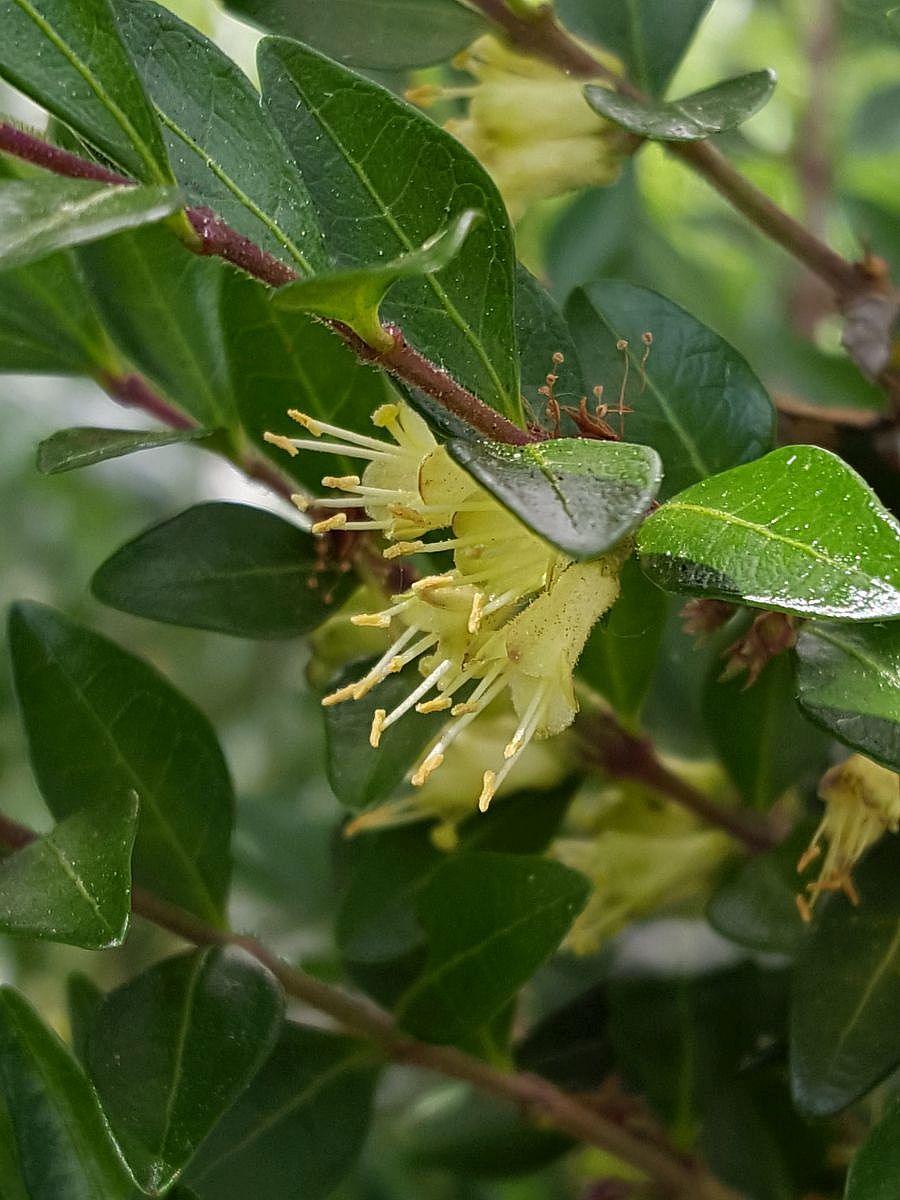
[47,213]
[171,1050]
[102,723]
[226,567]
[699,115]
[69,449]
[701,408]
[798,532]
[875,1170]
[74,885]
[63,1142]
[582,496]
[848,680]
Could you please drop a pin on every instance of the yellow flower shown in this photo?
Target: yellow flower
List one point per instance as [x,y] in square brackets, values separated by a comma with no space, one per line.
[862,802]
[511,616]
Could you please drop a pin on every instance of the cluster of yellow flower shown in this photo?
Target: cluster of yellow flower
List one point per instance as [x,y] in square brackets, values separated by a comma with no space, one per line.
[512,614]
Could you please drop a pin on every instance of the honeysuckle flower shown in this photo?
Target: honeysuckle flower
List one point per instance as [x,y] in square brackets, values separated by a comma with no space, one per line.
[529,125]
[511,616]
[862,802]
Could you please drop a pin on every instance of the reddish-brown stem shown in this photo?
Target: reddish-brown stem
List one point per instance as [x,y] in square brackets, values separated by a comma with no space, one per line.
[218,238]
[135,392]
[62,162]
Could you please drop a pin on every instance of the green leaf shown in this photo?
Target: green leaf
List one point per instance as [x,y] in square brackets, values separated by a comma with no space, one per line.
[48,323]
[354,297]
[649,36]
[384,178]
[298,1128]
[621,653]
[875,1169]
[63,1142]
[542,333]
[762,739]
[69,449]
[702,408]
[47,213]
[757,905]
[83,1000]
[582,496]
[279,362]
[723,106]
[848,681]
[225,149]
[74,885]
[172,1049]
[102,723]
[383,34]
[226,567]
[491,920]
[844,1036]
[69,58]
[11,1182]
[798,532]
[161,305]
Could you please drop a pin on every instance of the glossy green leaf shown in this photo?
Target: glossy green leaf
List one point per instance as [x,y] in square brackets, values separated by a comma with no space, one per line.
[384,178]
[582,496]
[354,297]
[69,58]
[48,323]
[723,106]
[280,361]
[649,37]
[763,740]
[61,1136]
[172,1049]
[225,149]
[69,449]
[47,213]
[102,723]
[844,1038]
[621,653]
[74,885]
[83,1000]
[799,532]
[298,1128]
[702,408]
[848,680]
[542,334]
[875,1168]
[11,1181]
[384,34]
[160,303]
[226,567]
[490,920]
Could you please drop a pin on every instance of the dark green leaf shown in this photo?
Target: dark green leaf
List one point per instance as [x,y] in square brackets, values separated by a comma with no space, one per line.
[763,740]
[226,567]
[161,305]
[542,333]
[354,297]
[298,1128]
[384,34]
[571,1046]
[621,653]
[69,449]
[491,920]
[102,723]
[384,178]
[280,361]
[649,36]
[693,117]
[798,531]
[757,906]
[68,57]
[63,1142]
[225,149]
[47,321]
[47,213]
[582,496]
[172,1049]
[83,1000]
[74,885]
[848,680]
[12,1186]
[702,408]
[844,1036]
[876,1168]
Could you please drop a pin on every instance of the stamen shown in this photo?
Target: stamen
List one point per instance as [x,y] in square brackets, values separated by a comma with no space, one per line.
[338,521]
[440,704]
[377,726]
[474,622]
[348,451]
[317,428]
[424,687]
[527,725]
[282,442]
[434,581]
[380,671]
[488,791]
[344,482]
[436,755]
